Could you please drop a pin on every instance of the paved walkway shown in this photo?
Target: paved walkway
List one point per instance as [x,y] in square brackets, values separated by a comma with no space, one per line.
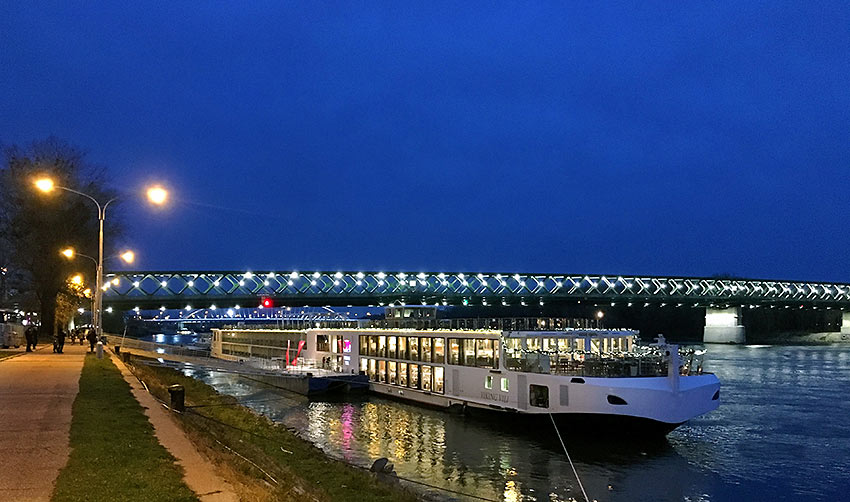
[37,391]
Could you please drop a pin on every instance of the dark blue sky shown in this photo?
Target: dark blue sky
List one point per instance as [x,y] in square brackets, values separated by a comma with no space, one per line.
[680,138]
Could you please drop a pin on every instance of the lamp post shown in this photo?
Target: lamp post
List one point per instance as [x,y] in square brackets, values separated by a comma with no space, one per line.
[128,256]
[156,195]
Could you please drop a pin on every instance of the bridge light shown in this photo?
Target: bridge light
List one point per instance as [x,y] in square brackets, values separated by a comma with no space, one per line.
[270,275]
[313,282]
[237,307]
[213,307]
[191,284]
[360,275]
[230,312]
[188,307]
[338,275]
[248,275]
[289,283]
[460,276]
[216,283]
[162,309]
[136,309]
[241,283]
[109,310]
[316,275]
[359,282]
[600,314]
[381,275]
[268,303]
[336,282]
[293,275]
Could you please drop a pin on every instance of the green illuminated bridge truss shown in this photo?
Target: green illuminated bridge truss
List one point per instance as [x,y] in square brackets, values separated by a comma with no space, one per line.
[202,289]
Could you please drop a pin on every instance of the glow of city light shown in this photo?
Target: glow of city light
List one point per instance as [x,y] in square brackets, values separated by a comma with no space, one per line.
[157,195]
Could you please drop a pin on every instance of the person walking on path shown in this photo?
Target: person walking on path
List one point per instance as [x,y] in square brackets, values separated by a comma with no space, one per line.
[60,340]
[92,338]
[30,334]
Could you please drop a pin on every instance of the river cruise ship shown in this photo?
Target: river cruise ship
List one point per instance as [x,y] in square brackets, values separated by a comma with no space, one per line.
[576,375]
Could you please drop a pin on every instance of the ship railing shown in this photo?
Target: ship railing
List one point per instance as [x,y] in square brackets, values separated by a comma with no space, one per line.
[647,362]
[156,348]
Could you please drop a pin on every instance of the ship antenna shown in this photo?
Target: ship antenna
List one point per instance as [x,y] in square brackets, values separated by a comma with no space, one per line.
[568,458]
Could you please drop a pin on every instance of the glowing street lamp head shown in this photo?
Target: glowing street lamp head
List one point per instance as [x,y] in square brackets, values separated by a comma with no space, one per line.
[128,256]
[157,195]
[44,184]
[77,279]
[68,253]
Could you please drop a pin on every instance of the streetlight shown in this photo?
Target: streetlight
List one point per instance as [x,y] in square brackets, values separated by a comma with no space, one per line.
[69,252]
[156,195]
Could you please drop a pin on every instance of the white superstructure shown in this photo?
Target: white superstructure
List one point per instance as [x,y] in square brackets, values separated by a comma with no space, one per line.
[572,374]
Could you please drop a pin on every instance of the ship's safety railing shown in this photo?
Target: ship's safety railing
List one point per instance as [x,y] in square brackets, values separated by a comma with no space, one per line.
[156,348]
[643,361]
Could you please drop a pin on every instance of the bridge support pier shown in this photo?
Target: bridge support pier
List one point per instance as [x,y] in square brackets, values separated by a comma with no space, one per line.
[724,326]
[845,323]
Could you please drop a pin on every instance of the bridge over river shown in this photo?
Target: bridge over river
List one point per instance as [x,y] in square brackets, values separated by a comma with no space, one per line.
[722,299]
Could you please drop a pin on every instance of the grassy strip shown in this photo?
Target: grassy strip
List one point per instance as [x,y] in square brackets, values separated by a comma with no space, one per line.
[303,471]
[115,455]
[4,354]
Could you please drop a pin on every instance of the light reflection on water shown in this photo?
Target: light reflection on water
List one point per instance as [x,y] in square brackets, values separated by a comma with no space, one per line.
[780,434]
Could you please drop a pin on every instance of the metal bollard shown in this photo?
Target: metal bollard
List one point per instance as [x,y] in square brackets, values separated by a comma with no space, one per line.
[178,395]
[99,350]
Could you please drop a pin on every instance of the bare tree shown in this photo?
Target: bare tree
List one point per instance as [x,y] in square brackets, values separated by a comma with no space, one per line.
[35,226]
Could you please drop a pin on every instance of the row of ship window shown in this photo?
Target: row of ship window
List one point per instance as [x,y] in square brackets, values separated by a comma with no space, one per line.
[477,352]
[413,376]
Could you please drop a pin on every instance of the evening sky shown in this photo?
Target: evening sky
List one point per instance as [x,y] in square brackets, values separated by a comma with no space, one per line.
[668,138]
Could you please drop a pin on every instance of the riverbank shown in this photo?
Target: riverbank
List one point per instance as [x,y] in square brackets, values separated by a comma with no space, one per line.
[802,338]
[255,452]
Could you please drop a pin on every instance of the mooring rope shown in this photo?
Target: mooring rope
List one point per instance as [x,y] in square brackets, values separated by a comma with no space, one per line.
[568,458]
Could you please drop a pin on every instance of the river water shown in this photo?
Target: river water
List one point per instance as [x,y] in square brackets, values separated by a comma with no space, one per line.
[782,432]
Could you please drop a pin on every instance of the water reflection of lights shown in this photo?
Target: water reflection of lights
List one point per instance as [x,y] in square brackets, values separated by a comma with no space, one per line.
[346,421]
[160,351]
[512,492]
